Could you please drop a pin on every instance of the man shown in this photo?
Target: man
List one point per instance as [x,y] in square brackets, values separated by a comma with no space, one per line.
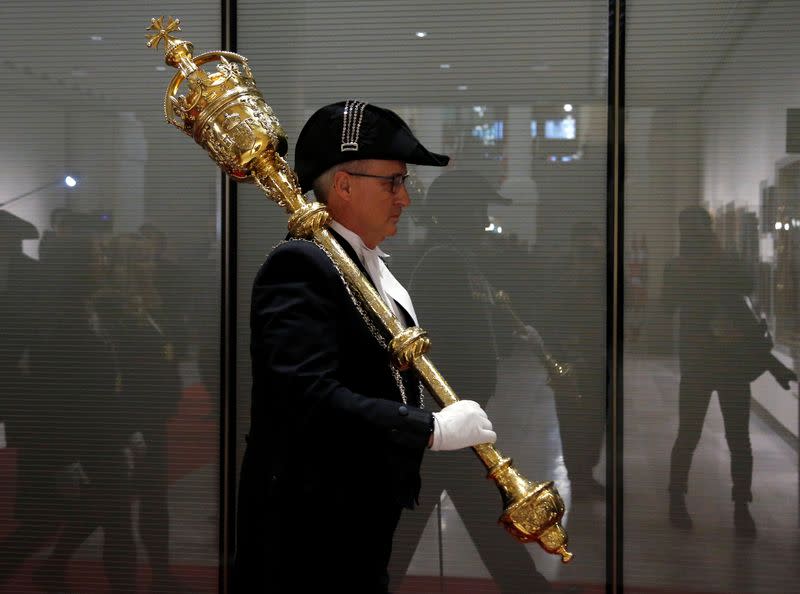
[337,434]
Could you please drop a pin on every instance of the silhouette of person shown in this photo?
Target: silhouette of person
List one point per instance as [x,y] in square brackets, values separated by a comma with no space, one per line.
[130,458]
[76,371]
[576,333]
[135,315]
[468,330]
[18,274]
[707,287]
[25,430]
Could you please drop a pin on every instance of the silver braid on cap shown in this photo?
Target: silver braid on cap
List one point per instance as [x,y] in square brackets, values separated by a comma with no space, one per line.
[351,124]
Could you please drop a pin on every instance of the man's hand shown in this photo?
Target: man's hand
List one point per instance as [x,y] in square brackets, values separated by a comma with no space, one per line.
[461,425]
[782,374]
[529,335]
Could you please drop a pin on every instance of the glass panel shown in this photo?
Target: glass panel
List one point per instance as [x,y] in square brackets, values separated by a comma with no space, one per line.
[109,309]
[516,93]
[711,217]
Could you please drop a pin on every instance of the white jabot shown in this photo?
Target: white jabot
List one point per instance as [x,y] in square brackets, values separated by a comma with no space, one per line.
[388,287]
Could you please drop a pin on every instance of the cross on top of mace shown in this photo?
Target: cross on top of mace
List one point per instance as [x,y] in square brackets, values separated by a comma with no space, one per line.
[162,32]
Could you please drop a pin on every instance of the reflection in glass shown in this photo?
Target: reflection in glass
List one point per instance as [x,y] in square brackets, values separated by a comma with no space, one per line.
[108,429]
[472,330]
[710,426]
[721,348]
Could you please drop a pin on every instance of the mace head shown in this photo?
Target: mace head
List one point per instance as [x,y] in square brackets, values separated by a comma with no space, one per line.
[221,109]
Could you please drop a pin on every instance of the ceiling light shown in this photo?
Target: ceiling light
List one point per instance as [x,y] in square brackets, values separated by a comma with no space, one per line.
[444,66]
[161,68]
[568,107]
[421,34]
[70,181]
[96,37]
[462,87]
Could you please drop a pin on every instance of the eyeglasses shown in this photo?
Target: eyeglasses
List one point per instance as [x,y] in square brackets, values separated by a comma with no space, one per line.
[398,180]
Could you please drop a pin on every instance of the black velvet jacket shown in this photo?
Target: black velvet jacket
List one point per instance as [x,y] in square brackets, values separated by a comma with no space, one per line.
[327,417]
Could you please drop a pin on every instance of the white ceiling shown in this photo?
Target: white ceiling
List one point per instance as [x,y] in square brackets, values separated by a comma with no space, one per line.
[504,51]
[674,47]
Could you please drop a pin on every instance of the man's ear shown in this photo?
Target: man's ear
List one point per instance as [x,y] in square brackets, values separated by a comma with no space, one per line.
[341,185]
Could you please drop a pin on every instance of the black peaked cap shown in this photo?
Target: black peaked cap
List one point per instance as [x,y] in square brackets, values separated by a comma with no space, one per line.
[382,134]
[457,198]
[463,184]
[14,227]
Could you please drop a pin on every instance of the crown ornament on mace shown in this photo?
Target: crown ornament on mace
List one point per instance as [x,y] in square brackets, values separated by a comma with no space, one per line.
[225,113]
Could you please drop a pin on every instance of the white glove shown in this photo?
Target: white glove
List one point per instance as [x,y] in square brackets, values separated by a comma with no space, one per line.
[530,336]
[461,425]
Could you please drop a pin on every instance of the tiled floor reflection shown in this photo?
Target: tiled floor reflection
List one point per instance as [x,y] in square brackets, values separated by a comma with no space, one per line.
[710,558]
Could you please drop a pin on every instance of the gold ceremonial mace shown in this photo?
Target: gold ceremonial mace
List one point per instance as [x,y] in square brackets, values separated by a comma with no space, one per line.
[226,114]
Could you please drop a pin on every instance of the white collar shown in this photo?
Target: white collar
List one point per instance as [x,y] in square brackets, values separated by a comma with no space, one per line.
[388,287]
[357,243]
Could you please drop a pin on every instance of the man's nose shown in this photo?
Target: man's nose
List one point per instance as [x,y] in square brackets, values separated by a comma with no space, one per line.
[403,198]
